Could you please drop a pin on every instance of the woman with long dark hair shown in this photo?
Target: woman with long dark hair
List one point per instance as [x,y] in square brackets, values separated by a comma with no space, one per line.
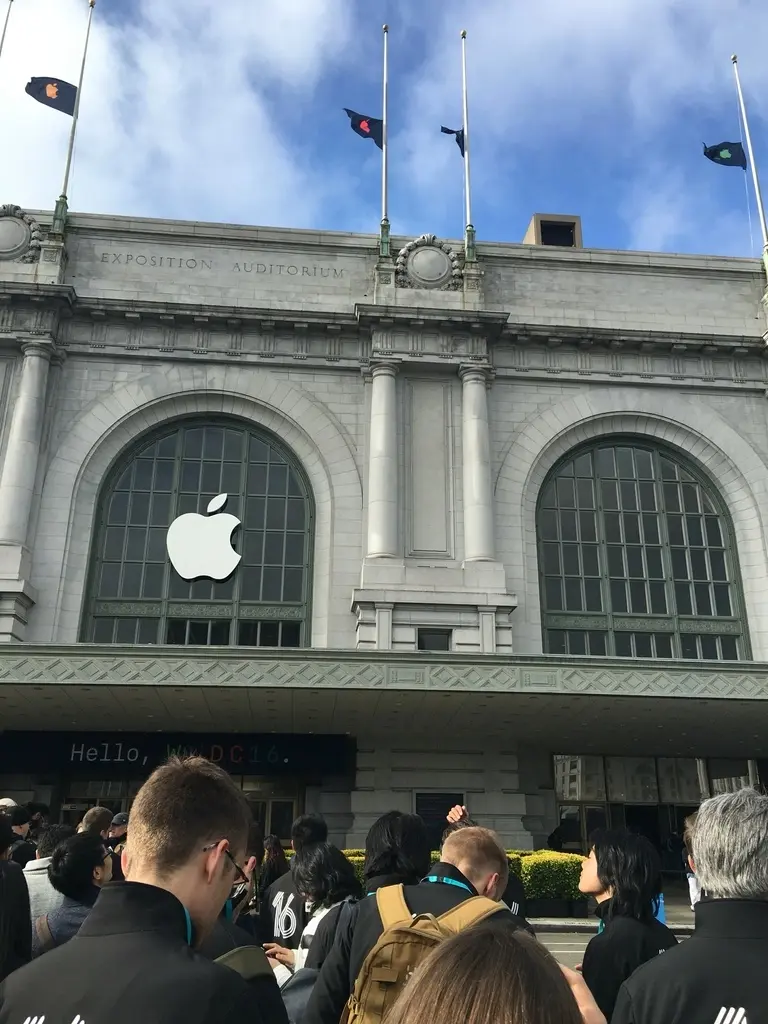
[15,922]
[623,873]
[324,878]
[274,865]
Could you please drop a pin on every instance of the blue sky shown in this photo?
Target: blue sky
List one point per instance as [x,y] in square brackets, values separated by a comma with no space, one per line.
[231,110]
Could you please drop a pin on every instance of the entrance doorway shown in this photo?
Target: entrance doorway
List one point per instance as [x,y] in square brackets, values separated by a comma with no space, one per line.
[274,804]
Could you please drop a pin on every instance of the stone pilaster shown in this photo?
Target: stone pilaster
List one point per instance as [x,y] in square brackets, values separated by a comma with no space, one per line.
[17,483]
[476,446]
[382,538]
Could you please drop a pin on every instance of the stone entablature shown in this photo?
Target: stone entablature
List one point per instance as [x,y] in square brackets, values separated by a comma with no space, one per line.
[33,665]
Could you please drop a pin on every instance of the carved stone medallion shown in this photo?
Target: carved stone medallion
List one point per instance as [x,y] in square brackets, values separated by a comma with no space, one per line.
[20,235]
[428,263]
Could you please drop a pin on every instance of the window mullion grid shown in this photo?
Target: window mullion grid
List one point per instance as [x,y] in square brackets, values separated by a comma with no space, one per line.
[666,552]
[602,548]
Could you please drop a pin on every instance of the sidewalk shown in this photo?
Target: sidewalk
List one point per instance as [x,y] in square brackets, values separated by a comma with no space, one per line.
[678,910]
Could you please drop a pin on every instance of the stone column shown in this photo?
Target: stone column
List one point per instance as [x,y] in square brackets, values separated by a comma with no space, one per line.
[17,481]
[382,464]
[476,444]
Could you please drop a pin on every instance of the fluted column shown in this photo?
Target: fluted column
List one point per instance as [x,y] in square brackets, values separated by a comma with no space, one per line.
[17,481]
[382,463]
[476,447]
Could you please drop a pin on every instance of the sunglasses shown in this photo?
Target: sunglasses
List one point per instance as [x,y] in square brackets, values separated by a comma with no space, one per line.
[239,873]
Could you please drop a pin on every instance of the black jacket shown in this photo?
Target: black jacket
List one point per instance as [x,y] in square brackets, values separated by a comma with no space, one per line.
[283,913]
[359,933]
[22,851]
[616,953]
[718,974]
[14,908]
[131,962]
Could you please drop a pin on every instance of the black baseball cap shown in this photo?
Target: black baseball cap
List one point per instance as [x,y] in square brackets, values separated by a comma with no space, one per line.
[120,819]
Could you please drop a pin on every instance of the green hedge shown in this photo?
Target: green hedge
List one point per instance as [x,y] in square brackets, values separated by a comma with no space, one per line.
[544,873]
[550,875]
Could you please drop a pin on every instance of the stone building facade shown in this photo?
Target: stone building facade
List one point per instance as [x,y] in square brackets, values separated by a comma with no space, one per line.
[502,522]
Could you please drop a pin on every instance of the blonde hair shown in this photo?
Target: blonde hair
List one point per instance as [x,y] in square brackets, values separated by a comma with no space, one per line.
[477,852]
[489,974]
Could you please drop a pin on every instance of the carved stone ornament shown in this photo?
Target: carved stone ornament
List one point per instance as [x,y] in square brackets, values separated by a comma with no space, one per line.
[427,262]
[20,235]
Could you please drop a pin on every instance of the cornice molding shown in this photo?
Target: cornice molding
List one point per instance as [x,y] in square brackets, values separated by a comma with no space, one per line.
[85,664]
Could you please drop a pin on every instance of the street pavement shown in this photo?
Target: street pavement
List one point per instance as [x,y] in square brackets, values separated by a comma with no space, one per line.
[566,947]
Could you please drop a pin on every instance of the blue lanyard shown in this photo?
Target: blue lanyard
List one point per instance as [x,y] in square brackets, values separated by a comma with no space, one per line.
[447,881]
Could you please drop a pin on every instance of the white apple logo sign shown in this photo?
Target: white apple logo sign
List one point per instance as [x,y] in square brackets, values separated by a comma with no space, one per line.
[201,547]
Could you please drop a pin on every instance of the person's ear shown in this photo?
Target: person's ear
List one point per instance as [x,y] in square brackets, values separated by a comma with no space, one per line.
[492,887]
[691,865]
[215,861]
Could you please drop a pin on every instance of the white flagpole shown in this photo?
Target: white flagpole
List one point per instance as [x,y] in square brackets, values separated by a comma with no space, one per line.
[5,25]
[384,234]
[469,231]
[751,154]
[60,213]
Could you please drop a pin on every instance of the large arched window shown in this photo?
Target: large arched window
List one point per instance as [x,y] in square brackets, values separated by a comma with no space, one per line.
[135,596]
[636,558]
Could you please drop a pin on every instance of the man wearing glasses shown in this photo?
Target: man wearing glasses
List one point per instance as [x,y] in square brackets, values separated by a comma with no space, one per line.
[134,959]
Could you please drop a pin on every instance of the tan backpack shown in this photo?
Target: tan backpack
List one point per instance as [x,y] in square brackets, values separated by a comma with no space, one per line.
[406,940]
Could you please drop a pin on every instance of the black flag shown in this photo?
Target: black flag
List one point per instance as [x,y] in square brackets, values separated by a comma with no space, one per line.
[53,93]
[366,127]
[458,132]
[729,154]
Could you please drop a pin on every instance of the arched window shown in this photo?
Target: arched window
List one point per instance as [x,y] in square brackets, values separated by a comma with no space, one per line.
[636,558]
[135,596]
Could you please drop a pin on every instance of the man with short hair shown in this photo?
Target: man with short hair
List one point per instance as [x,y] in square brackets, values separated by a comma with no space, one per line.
[472,863]
[22,851]
[717,976]
[189,827]
[43,898]
[96,819]
[80,866]
[283,914]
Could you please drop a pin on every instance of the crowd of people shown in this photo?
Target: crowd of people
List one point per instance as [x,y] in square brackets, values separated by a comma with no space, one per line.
[185,913]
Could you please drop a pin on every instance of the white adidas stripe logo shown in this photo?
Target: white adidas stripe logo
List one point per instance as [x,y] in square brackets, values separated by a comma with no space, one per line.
[730,1015]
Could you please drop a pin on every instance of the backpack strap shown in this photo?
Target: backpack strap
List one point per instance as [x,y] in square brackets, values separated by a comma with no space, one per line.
[392,907]
[45,938]
[469,913]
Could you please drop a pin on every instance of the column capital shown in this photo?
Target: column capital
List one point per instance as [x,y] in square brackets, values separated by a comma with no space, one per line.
[381,368]
[477,372]
[43,349]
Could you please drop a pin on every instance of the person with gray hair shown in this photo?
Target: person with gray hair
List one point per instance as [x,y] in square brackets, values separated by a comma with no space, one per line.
[717,976]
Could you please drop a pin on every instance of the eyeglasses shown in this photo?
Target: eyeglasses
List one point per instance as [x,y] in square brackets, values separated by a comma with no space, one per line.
[239,873]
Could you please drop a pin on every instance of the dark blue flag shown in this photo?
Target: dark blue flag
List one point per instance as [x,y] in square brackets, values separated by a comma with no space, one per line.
[366,127]
[458,132]
[53,92]
[729,154]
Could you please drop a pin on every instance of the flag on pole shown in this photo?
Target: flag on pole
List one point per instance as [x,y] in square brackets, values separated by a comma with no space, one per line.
[366,127]
[729,154]
[458,133]
[53,92]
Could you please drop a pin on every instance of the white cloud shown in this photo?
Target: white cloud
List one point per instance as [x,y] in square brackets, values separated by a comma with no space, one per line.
[615,72]
[175,120]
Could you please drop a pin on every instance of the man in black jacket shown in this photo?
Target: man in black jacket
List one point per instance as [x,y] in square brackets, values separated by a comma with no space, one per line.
[283,914]
[472,864]
[134,958]
[718,975]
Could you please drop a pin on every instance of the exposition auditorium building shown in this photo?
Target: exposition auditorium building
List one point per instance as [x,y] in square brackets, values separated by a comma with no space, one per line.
[382,531]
